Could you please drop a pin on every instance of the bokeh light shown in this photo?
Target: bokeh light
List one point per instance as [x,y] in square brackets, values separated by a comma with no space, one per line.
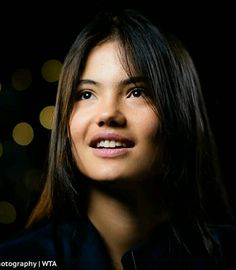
[51,70]
[23,133]
[7,213]
[21,79]
[46,116]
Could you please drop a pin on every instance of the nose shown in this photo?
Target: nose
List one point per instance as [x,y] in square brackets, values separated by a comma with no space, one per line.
[111,115]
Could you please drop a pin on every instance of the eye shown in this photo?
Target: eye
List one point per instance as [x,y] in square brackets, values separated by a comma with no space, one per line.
[83,95]
[136,92]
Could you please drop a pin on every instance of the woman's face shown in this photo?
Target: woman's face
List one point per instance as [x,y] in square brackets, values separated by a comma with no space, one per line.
[113,128]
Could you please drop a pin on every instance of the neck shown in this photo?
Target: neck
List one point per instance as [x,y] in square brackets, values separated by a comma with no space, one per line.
[123,214]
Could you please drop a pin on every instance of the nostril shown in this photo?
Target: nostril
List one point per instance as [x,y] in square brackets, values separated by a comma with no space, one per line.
[101,123]
[112,122]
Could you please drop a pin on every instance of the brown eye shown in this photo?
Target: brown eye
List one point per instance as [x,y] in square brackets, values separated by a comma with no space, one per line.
[85,95]
[137,92]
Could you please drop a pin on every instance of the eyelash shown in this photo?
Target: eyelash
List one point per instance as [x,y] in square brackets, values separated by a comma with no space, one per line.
[81,95]
[135,92]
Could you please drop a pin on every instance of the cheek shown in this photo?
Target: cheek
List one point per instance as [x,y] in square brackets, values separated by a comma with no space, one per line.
[149,141]
[75,133]
[77,127]
[148,126]
[74,128]
[150,149]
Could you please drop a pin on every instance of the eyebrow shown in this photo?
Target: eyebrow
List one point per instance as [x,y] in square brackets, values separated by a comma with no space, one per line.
[130,80]
[87,81]
[133,80]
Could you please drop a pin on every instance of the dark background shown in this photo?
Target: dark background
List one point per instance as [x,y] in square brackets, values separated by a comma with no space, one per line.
[31,35]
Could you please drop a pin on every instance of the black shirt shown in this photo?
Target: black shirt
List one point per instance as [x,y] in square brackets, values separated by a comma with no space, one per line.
[77,245]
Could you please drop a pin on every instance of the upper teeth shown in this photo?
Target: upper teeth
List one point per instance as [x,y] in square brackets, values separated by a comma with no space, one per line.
[110,144]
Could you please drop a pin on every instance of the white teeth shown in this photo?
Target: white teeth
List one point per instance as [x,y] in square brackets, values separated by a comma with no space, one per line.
[109,144]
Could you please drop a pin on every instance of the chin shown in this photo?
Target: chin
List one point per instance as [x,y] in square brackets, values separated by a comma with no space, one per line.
[104,178]
[114,178]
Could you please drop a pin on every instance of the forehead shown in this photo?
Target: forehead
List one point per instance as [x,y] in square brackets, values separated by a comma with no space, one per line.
[104,63]
[111,58]
[103,54]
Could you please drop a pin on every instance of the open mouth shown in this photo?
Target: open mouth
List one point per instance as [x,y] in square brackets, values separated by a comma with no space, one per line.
[111,144]
[111,148]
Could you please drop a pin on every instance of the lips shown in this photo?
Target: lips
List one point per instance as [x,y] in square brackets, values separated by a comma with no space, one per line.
[110,141]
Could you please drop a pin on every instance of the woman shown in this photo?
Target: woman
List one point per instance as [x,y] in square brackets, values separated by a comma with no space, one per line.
[132,159]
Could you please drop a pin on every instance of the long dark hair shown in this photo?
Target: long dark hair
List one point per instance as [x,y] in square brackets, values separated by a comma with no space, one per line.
[189,165]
